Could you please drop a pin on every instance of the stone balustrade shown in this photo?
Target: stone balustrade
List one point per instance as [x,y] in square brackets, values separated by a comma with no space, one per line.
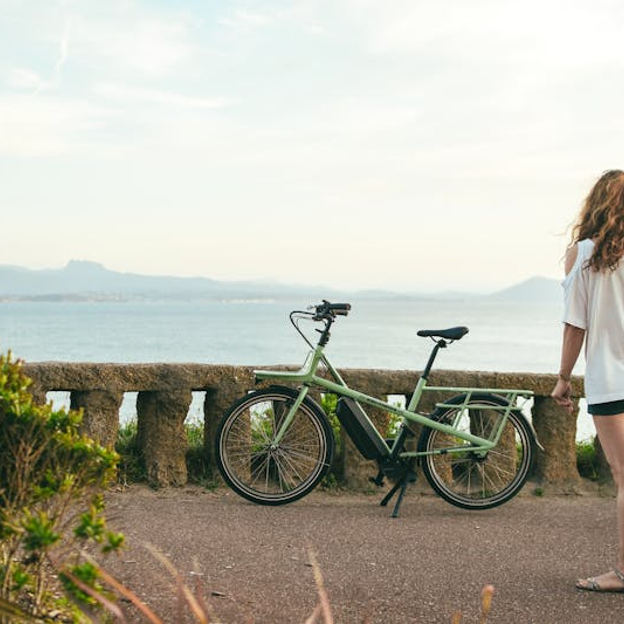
[165,393]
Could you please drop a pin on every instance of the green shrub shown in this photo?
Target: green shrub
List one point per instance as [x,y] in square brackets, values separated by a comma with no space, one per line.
[393,425]
[51,506]
[587,461]
[197,458]
[329,402]
[131,467]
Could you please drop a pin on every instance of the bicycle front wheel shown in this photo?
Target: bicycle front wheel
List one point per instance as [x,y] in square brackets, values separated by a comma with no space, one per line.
[258,468]
[470,479]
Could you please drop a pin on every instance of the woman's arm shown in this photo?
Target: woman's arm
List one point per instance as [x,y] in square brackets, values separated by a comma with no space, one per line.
[570,349]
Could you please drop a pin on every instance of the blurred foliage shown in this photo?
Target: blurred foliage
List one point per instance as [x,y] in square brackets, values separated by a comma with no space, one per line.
[51,506]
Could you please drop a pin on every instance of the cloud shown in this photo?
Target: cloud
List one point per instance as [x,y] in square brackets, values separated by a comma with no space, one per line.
[34,126]
[297,17]
[245,18]
[63,53]
[55,82]
[27,79]
[128,94]
[148,44]
[548,32]
[23,79]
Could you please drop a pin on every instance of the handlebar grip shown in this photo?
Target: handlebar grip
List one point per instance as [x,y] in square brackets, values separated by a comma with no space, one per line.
[332,309]
[340,309]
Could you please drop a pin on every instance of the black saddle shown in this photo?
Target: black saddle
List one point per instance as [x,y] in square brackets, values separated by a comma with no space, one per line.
[452,333]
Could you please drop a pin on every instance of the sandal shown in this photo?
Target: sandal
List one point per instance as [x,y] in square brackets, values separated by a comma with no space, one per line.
[593,585]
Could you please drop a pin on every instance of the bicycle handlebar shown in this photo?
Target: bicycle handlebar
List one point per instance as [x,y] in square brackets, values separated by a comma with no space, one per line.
[327,310]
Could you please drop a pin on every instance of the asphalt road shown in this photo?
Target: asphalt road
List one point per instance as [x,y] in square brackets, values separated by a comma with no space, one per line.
[252,562]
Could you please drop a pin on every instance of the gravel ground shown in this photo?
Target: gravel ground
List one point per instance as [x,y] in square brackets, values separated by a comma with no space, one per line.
[252,562]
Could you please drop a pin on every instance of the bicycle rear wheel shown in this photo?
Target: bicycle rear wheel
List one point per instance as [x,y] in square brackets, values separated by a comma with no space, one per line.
[262,471]
[473,480]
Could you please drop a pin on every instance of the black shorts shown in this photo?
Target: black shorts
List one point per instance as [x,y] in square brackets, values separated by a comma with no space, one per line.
[606,409]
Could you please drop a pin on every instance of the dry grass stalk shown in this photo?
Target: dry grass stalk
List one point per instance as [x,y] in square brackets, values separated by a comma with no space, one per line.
[182,588]
[323,608]
[129,595]
[486,602]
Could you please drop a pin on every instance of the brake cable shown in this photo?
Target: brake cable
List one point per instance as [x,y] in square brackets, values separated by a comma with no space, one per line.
[297,315]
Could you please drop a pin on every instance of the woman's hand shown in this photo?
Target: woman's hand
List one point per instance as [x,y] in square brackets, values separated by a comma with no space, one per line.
[572,342]
[563,394]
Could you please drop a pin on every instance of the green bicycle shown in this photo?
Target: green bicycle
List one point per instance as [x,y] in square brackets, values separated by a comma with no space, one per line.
[274,445]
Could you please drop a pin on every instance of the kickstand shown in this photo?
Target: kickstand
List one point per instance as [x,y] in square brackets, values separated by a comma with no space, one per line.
[401,485]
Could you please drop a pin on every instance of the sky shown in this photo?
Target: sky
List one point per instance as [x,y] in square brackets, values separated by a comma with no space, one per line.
[412,145]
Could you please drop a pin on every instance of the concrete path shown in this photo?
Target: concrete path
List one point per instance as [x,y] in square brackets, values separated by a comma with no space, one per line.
[422,567]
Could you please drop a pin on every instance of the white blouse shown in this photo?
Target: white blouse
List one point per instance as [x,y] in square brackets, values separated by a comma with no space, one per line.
[594,301]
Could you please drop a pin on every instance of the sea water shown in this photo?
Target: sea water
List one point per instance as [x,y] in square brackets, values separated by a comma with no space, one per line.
[504,336]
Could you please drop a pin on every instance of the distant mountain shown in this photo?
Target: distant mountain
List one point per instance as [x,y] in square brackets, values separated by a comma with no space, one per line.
[88,277]
[81,280]
[85,281]
[534,289]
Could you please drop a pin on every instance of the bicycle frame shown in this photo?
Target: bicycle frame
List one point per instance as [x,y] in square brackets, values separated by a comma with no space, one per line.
[307,377]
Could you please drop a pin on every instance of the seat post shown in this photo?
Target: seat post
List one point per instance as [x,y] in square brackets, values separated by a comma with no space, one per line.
[440,344]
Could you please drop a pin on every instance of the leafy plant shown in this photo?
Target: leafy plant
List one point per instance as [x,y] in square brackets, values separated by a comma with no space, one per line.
[393,423]
[51,506]
[131,467]
[197,460]
[587,461]
[329,403]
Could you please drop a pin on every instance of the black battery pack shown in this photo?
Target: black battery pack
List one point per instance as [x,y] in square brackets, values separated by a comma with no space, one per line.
[359,428]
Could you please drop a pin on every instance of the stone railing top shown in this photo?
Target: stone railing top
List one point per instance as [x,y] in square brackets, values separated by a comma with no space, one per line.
[146,377]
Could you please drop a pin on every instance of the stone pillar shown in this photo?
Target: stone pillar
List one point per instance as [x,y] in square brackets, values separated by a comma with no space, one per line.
[161,437]
[101,413]
[556,431]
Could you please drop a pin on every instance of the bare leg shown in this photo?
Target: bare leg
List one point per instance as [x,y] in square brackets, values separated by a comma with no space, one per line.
[610,431]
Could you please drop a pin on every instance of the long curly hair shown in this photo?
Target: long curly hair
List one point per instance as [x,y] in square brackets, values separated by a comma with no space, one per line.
[602,219]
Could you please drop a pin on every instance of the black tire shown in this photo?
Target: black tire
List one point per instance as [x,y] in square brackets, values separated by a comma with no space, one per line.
[261,472]
[466,479]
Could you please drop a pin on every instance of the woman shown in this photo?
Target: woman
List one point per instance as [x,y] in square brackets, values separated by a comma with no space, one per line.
[594,312]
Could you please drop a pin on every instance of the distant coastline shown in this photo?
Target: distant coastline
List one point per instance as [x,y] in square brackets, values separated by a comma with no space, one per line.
[85,282]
